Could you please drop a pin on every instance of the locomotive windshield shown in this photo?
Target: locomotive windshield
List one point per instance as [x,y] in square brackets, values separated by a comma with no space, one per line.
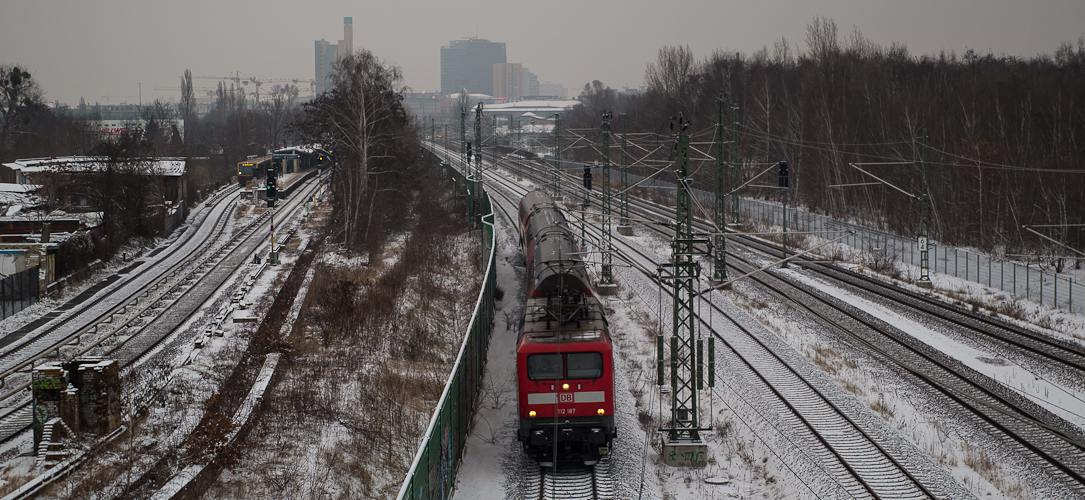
[585,365]
[578,365]
[544,366]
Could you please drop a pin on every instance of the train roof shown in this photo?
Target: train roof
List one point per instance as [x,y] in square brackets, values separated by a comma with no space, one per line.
[566,335]
[536,199]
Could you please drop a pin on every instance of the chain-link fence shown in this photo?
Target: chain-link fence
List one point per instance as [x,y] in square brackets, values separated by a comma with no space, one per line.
[433,472]
[1028,281]
[18,291]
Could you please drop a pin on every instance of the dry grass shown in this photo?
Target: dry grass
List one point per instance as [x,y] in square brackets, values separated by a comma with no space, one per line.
[882,408]
[852,387]
[13,483]
[987,468]
[827,359]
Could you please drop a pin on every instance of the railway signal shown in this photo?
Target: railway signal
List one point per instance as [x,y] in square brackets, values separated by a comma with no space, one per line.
[783,174]
[587,177]
[272,187]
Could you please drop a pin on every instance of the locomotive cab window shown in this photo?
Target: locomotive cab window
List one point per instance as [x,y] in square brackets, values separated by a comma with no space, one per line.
[544,366]
[584,365]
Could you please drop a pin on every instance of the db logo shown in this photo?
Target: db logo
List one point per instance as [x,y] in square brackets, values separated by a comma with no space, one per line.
[565,397]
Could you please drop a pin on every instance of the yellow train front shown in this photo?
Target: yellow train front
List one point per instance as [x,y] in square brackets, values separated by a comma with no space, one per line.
[564,362]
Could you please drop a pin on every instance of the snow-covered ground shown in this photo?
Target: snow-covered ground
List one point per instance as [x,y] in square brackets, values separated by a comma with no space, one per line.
[748,458]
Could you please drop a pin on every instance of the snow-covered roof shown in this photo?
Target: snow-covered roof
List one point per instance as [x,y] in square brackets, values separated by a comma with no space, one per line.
[472,96]
[7,187]
[540,108]
[15,197]
[170,167]
[308,148]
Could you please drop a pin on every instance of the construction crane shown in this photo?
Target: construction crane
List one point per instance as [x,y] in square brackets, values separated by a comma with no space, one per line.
[249,80]
[209,90]
[296,81]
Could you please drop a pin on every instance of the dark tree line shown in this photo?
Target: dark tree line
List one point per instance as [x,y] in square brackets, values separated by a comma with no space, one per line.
[374,148]
[1006,135]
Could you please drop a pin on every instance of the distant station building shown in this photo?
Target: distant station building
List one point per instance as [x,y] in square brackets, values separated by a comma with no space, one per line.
[469,64]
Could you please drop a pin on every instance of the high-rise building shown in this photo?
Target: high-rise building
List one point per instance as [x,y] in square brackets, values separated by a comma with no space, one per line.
[508,80]
[346,45]
[327,54]
[553,90]
[469,64]
[531,84]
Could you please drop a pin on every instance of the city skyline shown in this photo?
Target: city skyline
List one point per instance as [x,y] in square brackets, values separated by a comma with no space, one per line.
[115,50]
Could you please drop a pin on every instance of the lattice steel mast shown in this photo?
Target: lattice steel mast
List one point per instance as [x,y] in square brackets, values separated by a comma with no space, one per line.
[606,276]
[719,261]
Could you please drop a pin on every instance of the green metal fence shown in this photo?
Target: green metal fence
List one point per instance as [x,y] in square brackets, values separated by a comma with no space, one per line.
[433,473]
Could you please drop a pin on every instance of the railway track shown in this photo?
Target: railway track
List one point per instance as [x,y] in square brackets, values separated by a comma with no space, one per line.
[574,482]
[1047,441]
[858,465]
[155,301]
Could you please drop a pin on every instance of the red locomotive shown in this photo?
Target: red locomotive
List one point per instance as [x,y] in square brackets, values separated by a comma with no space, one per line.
[564,367]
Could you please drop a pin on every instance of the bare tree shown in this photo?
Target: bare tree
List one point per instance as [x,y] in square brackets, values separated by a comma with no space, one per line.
[671,73]
[363,122]
[159,129]
[20,97]
[187,106]
[277,109]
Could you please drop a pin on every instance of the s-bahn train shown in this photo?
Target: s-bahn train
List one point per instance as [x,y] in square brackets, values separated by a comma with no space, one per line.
[564,366]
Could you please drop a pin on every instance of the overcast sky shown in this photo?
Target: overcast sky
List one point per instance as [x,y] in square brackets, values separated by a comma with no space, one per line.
[108,48]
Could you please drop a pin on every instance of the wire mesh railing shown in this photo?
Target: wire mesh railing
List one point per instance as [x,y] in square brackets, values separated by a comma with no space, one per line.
[433,473]
[1023,280]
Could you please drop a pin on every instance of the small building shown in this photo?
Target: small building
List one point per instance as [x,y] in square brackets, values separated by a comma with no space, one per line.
[68,181]
[46,172]
[84,392]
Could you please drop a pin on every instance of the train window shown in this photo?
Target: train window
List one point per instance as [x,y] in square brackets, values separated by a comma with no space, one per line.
[544,366]
[584,365]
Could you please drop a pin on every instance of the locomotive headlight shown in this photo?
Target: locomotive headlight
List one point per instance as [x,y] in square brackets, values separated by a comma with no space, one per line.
[532,413]
[599,411]
[564,387]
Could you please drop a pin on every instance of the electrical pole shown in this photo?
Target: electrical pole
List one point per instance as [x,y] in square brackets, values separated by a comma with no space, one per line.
[478,166]
[466,154]
[924,227]
[557,158]
[784,183]
[478,141]
[737,181]
[719,261]
[606,276]
[623,226]
[682,444]
[519,144]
